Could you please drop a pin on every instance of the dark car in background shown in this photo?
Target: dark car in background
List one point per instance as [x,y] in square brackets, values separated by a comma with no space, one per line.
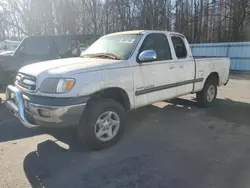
[41,48]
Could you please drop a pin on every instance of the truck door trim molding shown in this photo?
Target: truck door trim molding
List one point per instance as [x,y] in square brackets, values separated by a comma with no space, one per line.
[168,86]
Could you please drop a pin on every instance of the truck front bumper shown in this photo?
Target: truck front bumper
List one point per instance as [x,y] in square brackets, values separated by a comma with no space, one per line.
[33,115]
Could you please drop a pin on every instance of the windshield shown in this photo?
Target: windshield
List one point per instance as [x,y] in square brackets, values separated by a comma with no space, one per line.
[121,46]
[35,46]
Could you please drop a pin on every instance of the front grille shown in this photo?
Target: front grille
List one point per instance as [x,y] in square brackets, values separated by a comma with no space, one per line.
[26,81]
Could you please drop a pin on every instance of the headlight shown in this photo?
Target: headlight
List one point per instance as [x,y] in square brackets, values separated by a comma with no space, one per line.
[57,85]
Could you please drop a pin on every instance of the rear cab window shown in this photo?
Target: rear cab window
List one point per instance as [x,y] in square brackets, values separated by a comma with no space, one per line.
[179,47]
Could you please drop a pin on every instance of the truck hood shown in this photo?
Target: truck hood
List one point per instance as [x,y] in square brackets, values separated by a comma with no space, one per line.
[69,66]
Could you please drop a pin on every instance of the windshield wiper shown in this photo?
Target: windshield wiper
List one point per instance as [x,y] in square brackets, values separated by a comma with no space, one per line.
[103,55]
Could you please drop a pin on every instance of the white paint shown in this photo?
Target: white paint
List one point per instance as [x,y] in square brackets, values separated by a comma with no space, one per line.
[93,75]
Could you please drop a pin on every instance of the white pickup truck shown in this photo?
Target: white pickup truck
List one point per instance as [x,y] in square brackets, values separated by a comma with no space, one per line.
[119,72]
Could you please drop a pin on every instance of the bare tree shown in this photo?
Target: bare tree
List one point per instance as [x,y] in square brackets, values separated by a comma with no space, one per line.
[199,20]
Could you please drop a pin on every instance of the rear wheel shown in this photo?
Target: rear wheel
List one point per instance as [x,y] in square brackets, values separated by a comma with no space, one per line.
[208,94]
[103,124]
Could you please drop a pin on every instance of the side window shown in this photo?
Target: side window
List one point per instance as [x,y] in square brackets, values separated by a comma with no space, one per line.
[159,43]
[179,47]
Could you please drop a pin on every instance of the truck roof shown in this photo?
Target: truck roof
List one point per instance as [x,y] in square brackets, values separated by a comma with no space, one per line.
[134,32]
[127,32]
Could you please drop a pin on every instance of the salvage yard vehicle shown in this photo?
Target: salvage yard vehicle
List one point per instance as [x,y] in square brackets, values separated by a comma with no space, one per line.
[40,48]
[8,46]
[118,73]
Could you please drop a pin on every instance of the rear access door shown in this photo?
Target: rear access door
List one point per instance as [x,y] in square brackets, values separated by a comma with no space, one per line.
[185,65]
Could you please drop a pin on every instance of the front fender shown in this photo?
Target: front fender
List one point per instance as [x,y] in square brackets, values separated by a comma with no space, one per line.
[92,82]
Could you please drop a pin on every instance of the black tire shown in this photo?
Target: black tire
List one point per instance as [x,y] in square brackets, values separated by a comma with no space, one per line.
[201,96]
[86,128]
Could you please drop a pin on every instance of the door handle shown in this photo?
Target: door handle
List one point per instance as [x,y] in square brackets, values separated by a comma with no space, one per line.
[171,67]
[181,66]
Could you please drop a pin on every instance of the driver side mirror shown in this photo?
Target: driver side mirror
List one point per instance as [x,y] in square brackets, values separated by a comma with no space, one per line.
[147,56]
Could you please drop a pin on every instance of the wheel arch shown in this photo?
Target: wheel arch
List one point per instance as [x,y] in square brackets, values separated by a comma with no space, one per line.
[116,93]
[214,75]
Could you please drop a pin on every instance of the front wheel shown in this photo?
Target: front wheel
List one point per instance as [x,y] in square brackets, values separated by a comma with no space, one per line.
[208,94]
[103,124]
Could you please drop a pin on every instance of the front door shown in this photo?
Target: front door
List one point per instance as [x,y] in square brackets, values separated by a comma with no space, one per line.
[159,76]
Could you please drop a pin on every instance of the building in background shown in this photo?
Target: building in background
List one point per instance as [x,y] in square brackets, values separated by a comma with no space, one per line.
[238,52]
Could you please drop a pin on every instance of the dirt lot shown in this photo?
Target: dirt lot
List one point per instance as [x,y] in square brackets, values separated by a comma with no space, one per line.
[175,145]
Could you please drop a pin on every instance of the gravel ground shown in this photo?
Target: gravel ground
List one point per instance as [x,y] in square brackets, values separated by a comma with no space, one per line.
[169,144]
